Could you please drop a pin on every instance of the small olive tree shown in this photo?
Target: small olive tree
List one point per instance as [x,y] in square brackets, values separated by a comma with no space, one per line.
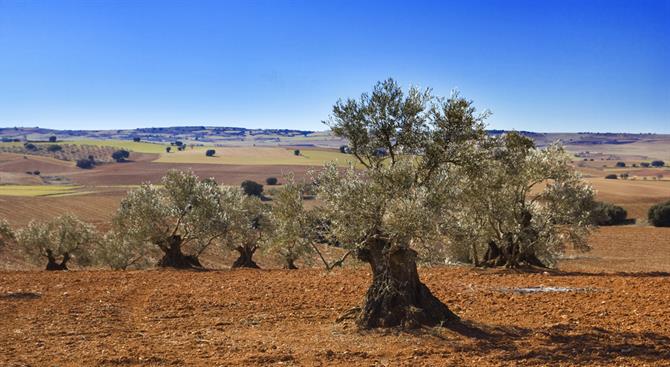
[521,205]
[183,213]
[60,239]
[249,226]
[6,233]
[120,252]
[398,198]
[292,226]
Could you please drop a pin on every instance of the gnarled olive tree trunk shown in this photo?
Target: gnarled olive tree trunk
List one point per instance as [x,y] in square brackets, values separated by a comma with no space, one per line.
[173,257]
[515,250]
[510,255]
[245,260]
[396,296]
[53,265]
[290,264]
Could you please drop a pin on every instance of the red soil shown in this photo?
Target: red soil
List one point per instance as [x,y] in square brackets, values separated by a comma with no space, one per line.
[251,317]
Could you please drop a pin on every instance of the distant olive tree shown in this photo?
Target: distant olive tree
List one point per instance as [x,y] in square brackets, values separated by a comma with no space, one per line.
[252,188]
[607,214]
[85,163]
[121,155]
[184,213]
[398,198]
[60,239]
[210,152]
[52,139]
[659,214]
[293,232]
[522,205]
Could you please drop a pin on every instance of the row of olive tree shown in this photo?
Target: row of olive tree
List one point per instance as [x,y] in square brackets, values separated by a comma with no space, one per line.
[171,225]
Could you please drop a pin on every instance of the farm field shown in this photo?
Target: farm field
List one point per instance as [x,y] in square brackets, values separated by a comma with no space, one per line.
[256,156]
[615,315]
[39,190]
[278,317]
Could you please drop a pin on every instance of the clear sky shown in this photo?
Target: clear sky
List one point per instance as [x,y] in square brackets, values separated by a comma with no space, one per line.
[542,65]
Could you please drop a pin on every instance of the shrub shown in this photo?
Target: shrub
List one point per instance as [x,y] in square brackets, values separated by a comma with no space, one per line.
[136,139]
[611,176]
[52,139]
[659,214]
[54,148]
[296,152]
[252,188]
[30,146]
[644,164]
[36,172]
[657,163]
[120,155]
[271,181]
[167,149]
[344,149]
[85,163]
[209,152]
[620,164]
[606,214]
[178,143]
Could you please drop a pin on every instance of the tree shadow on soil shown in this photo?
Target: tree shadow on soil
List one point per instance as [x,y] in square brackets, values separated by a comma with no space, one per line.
[556,272]
[560,343]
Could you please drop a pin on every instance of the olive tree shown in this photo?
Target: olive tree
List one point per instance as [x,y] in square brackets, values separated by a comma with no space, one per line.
[249,226]
[397,199]
[522,205]
[120,252]
[6,233]
[184,213]
[291,224]
[60,239]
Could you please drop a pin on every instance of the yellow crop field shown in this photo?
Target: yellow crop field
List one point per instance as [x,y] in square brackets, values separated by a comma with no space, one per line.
[40,190]
[256,156]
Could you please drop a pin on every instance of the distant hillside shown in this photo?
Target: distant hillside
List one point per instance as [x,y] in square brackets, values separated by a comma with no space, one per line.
[239,136]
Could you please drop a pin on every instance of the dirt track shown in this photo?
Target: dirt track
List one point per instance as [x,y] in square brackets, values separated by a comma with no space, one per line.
[250,317]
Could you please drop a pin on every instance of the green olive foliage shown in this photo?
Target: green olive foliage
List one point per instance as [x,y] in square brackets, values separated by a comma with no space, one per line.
[523,196]
[6,233]
[249,226]
[292,226]
[63,237]
[183,212]
[399,197]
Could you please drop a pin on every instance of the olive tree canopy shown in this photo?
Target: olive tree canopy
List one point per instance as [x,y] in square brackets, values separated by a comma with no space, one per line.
[6,233]
[249,226]
[293,229]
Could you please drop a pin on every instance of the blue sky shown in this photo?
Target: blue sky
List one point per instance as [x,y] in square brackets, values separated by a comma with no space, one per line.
[565,65]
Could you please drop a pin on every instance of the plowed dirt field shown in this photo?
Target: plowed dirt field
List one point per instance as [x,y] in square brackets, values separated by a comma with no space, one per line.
[277,317]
